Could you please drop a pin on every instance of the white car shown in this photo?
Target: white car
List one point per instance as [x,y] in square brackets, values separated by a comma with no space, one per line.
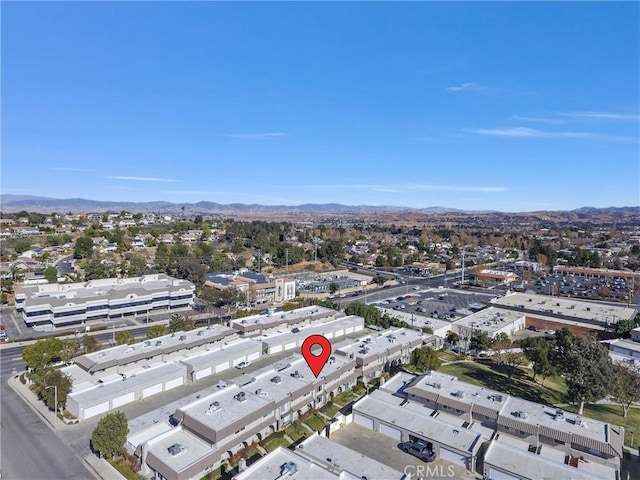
[242,365]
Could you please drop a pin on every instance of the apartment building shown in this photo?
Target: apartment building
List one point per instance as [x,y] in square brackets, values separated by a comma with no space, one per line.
[75,303]
[257,287]
[476,427]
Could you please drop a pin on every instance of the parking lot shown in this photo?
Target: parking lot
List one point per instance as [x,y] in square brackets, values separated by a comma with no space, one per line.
[385,450]
[444,304]
[581,287]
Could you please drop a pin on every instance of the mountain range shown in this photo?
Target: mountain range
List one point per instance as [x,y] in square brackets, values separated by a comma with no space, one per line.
[15,203]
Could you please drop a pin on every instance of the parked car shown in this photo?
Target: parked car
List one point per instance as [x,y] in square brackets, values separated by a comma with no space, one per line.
[418,449]
[242,365]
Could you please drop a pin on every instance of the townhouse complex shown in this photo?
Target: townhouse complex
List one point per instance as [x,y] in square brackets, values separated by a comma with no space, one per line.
[501,436]
[67,304]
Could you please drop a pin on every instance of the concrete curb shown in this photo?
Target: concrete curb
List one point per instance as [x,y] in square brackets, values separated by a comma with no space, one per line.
[101,469]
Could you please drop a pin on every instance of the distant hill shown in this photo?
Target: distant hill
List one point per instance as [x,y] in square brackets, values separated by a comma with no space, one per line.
[16,203]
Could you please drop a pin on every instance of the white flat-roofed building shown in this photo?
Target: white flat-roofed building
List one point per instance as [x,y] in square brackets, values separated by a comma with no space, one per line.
[503,461]
[492,321]
[488,277]
[320,449]
[283,463]
[179,455]
[86,401]
[221,358]
[404,421]
[596,272]
[596,315]
[268,323]
[380,352]
[167,347]
[531,422]
[285,339]
[75,303]
[233,414]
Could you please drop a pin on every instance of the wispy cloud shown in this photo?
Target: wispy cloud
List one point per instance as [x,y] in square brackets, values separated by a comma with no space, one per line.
[398,188]
[464,86]
[72,169]
[601,115]
[255,136]
[556,121]
[525,132]
[143,179]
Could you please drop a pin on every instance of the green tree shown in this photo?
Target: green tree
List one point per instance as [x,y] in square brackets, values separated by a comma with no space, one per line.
[124,338]
[500,343]
[91,344]
[333,288]
[110,435]
[452,338]
[39,354]
[536,350]
[94,269]
[22,245]
[179,323]
[71,348]
[480,341]
[83,248]
[586,365]
[425,358]
[625,387]
[155,331]
[51,274]
[624,327]
[53,377]
[379,280]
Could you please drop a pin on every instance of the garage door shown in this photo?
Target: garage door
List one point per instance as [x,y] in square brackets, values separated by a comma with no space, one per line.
[275,349]
[123,399]
[176,382]
[222,366]
[348,330]
[391,432]
[339,333]
[453,457]
[291,345]
[202,373]
[363,421]
[96,410]
[147,392]
[254,356]
[498,475]
[357,328]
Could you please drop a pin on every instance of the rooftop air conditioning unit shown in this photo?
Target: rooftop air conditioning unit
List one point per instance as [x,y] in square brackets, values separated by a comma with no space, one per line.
[176,449]
[277,379]
[289,468]
[521,414]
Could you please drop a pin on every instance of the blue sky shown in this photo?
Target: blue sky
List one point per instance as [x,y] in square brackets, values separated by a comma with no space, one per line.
[509,106]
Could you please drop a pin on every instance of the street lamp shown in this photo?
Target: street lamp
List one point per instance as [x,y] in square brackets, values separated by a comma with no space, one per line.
[631,439]
[55,403]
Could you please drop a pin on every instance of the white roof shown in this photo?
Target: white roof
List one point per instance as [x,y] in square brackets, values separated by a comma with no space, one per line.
[271,467]
[531,466]
[569,307]
[489,320]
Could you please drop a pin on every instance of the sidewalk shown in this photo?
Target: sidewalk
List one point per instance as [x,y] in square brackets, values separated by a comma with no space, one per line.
[101,469]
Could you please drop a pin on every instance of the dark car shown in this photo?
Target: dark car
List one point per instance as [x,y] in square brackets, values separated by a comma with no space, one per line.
[418,449]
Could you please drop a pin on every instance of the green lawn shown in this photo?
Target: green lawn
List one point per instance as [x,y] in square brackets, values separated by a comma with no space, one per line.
[271,445]
[491,375]
[296,431]
[345,397]
[613,414]
[449,356]
[330,409]
[316,422]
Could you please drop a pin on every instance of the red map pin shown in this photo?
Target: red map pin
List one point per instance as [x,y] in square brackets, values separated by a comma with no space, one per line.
[316,362]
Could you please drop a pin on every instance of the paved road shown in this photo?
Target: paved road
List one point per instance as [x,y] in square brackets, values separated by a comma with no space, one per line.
[65,265]
[29,449]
